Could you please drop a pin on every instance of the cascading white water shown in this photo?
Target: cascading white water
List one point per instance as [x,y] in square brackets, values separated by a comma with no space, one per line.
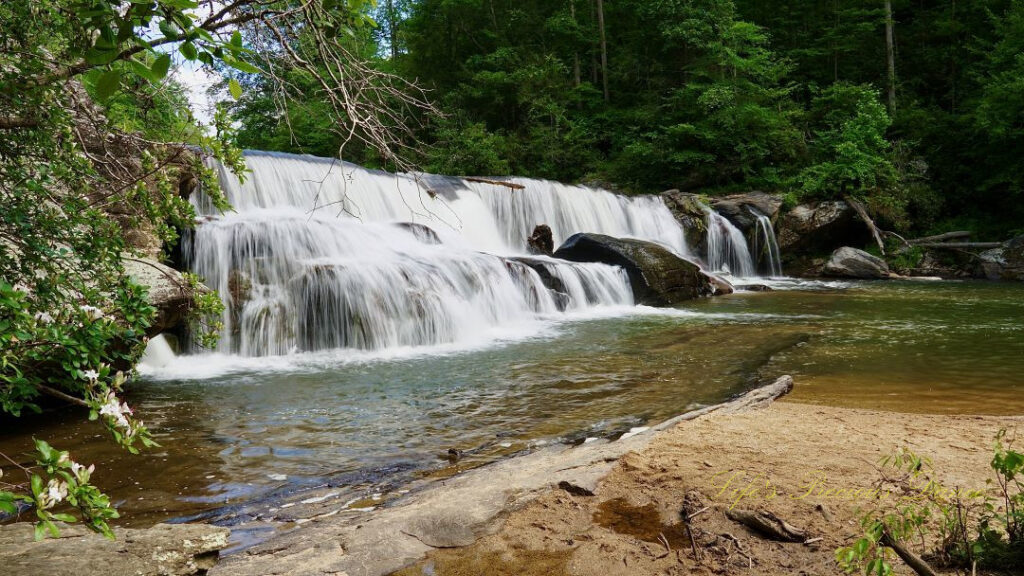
[353,273]
[570,209]
[766,247]
[727,248]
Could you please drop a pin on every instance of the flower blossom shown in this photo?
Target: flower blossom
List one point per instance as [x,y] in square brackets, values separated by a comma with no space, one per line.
[81,472]
[44,317]
[117,412]
[92,312]
[56,492]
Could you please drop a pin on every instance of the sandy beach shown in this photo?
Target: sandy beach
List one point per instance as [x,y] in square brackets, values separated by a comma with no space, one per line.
[809,465]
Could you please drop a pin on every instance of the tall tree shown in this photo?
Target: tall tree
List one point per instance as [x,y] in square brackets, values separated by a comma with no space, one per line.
[604,49]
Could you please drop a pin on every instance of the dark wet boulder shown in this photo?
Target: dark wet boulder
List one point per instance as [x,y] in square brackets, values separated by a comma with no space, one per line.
[849,262]
[422,233]
[658,277]
[743,209]
[691,213]
[541,241]
[822,227]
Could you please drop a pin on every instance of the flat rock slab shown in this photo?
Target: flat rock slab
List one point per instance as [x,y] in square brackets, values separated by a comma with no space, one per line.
[163,550]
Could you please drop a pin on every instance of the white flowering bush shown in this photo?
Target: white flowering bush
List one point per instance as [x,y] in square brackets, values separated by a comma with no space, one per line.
[65,345]
[57,486]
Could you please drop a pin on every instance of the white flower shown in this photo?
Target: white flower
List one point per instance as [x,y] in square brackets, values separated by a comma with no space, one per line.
[81,472]
[116,411]
[21,288]
[91,375]
[92,312]
[56,492]
[44,317]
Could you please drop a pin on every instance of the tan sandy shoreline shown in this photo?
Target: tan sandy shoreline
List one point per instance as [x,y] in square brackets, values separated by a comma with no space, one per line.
[774,456]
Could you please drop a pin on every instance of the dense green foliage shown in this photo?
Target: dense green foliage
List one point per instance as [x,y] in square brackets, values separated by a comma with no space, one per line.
[713,95]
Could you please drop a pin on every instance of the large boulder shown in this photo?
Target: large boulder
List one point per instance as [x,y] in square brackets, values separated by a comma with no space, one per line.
[742,209]
[163,550]
[658,277]
[691,213]
[1005,262]
[169,292]
[820,226]
[849,262]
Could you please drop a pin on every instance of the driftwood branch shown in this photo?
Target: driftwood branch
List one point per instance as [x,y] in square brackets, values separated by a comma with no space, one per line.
[767,524]
[511,185]
[863,213]
[959,245]
[942,237]
[908,557]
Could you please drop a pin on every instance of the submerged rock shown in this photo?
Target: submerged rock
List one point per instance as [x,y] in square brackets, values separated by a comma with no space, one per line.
[541,241]
[169,293]
[163,550]
[849,262]
[422,232]
[553,283]
[720,285]
[658,277]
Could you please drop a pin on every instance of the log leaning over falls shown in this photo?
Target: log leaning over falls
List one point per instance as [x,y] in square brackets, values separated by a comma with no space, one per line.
[511,185]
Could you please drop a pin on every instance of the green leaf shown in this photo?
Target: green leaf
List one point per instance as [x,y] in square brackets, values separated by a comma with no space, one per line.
[98,57]
[188,50]
[40,532]
[160,66]
[235,88]
[236,39]
[108,83]
[242,66]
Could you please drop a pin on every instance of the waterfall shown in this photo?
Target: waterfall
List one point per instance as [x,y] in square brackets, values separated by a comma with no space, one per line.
[766,247]
[727,248]
[388,261]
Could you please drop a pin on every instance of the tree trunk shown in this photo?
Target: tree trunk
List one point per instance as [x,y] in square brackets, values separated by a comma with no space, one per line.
[392,24]
[575,51]
[890,57]
[604,49]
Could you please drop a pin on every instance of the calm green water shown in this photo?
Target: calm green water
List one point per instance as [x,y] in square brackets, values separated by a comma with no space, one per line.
[235,432]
